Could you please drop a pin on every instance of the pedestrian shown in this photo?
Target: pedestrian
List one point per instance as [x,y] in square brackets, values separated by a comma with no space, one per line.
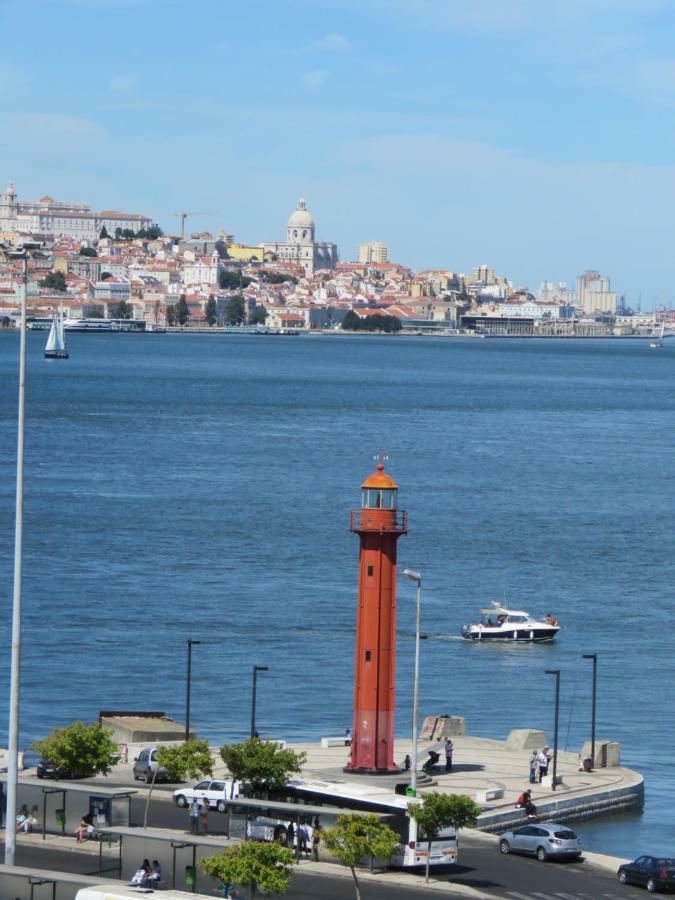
[543,760]
[448,754]
[204,814]
[525,802]
[302,838]
[348,737]
[534,766]
[316,839]
[193,812]
[290,836]
[407,763]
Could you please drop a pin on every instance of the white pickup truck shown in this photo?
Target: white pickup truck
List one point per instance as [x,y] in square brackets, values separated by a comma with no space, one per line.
[215,792]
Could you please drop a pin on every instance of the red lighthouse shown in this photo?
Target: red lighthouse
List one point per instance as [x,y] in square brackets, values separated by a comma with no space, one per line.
[379,525]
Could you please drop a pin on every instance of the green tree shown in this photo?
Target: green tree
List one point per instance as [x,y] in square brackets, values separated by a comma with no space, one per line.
[357,838]
[156,311]
[258,316]
[191,758]
[88,251]
[182,310]
[151,233]
[439,811]
[235,311]
[253,864]
[210,310]
[55,281]
[82,750]
[351,321]
[265,765]
[103,233]
[124,310]
[229,279]
[95,313]
[105,276]
[170,314]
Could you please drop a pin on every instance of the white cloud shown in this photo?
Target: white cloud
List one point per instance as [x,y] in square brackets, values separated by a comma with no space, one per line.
[314,80]
[124,84]
[331,41]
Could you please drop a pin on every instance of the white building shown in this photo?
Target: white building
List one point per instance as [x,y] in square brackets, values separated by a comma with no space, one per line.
[202,270]
[62,217]
[594,294]
[373,251]
[300,246]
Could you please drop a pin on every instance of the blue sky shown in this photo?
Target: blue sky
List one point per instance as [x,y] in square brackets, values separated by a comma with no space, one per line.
[537,136]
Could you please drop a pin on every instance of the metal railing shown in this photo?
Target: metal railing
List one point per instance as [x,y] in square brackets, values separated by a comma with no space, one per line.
[382,520]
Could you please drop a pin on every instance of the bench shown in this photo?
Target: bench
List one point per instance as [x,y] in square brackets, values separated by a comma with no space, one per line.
[488,795]
[343,741]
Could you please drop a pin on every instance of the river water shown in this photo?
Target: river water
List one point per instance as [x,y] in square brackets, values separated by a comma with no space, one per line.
[199,486]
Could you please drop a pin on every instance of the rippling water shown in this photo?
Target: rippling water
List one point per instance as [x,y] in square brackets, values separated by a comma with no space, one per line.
[199,486]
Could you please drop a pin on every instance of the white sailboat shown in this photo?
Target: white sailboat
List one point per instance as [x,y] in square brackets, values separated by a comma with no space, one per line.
[656,345]
[56,342]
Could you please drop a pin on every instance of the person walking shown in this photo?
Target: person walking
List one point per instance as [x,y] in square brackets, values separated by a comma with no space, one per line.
[193,811]
[204,814]
[534,767]
[448,754]
[542,761]
[303,835]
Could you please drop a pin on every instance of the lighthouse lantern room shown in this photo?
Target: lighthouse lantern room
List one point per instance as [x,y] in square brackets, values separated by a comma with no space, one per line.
[379,525]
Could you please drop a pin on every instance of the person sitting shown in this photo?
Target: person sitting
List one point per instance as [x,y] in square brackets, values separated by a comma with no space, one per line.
[525,802]
[22,819]
[141,877]
[86,828]
[156,876]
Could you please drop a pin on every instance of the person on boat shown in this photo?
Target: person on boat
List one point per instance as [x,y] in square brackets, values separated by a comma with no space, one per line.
[525,802]
[501,619]
[551,619]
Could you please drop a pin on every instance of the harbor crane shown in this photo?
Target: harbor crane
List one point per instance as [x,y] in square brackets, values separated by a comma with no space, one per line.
[182,215]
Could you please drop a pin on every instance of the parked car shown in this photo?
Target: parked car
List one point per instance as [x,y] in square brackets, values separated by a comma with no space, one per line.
[146,764]
[545,840]
[656,873]
[214,792]
[46,769]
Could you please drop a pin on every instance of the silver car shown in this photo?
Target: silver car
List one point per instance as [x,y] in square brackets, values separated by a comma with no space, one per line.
[545,840]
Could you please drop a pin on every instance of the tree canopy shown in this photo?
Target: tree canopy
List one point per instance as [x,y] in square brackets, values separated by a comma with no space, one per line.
[88,251]
[190,759]
[377,322]
[55,281]
[229,279]
[357,838]
[439,811]
[258,316]
[235,311]
[254,864]
[182,310]
[82,750]
[265,765]
[124,310]
[210,311]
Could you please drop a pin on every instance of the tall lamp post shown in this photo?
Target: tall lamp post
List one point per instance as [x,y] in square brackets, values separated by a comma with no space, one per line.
[555,672]
[188,686]
[417,578]
[594,657]
[256,669]
[22,252]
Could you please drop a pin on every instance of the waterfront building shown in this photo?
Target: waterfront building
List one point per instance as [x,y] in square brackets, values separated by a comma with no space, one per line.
[373,251]
[594,294]
[300,245]
[50,217]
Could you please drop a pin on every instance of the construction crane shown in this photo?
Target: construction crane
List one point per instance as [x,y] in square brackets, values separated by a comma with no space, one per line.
[183,216]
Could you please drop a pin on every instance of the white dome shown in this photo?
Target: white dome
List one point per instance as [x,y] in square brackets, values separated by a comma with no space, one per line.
[301,218]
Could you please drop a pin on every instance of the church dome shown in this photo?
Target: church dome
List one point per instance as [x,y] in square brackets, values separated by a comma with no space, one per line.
[301,218]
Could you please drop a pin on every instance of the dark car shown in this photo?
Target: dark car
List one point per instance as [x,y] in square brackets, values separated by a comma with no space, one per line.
[656,873]
[47,769]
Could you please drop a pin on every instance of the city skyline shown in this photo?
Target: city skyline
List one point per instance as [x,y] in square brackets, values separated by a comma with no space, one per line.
[534,140]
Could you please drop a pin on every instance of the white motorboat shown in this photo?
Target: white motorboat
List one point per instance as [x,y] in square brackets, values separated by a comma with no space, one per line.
[497,623]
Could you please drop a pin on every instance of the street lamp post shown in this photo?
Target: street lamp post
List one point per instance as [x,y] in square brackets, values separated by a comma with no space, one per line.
[23,253]
[417,578]
[555,672]
[188,685]
[256,669]
[594,657]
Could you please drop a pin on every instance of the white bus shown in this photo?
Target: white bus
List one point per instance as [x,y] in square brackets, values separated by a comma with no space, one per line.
[126,892]
[361,797]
